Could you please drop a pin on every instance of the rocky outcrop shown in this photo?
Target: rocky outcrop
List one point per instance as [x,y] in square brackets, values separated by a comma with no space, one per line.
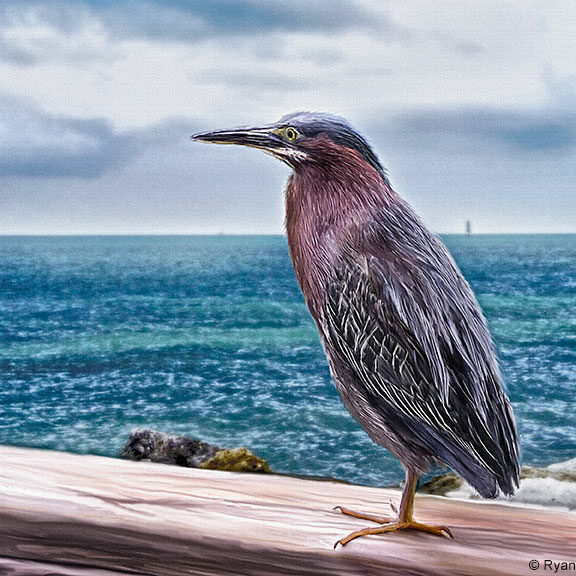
[154,446]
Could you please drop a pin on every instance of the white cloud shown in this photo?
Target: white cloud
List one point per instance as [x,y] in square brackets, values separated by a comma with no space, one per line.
[34,41]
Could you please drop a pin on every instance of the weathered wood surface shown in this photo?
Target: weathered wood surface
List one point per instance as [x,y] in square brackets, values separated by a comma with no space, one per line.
[62,514]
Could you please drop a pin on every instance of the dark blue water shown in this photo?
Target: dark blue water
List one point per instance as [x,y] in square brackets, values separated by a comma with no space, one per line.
[209,337]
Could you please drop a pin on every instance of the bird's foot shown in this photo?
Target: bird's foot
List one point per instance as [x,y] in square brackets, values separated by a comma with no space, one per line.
[370,517]
[390,527]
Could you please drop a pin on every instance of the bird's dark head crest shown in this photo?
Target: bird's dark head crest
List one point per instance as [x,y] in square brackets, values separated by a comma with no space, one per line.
[338,129]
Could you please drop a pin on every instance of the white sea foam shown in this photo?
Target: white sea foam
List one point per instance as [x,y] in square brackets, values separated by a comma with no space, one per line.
[553,486]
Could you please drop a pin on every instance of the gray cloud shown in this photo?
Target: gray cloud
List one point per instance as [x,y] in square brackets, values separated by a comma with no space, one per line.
[185,20]
[36,143]
[34,31]
[181,18]
[515,132]
[11,52]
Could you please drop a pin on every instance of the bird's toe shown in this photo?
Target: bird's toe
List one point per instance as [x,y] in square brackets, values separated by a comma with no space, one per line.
[364,515]
[396,526]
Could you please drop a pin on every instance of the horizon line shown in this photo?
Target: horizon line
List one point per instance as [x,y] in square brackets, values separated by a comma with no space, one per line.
[216,234]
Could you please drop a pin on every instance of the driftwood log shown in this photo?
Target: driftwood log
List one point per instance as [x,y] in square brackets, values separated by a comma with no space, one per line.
[63,514]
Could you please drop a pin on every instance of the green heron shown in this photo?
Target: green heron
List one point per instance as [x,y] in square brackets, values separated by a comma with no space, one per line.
[407,344]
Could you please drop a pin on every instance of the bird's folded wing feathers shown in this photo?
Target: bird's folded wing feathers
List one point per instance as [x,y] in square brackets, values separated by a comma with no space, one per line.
[420,361]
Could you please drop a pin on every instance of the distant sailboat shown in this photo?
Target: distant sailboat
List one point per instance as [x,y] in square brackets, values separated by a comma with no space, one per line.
[468,227]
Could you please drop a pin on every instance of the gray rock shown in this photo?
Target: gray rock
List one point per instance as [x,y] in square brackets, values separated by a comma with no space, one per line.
[155,446]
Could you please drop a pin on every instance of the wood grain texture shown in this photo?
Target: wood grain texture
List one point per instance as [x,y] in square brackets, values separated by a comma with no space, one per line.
[63,514]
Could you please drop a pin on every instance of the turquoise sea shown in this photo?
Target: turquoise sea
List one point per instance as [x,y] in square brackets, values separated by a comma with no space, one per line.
[209,337]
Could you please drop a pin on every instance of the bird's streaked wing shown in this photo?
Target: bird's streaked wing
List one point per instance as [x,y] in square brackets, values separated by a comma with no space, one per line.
[423,374]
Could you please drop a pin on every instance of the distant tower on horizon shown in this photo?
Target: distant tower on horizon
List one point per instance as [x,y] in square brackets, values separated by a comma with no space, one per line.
[468,227]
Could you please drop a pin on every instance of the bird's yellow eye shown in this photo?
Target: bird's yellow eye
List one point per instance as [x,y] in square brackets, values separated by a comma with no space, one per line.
[291,134]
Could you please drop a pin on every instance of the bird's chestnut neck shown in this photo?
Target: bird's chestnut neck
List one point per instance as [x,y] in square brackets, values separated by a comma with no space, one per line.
[336,186]
[339,176]
[329,198]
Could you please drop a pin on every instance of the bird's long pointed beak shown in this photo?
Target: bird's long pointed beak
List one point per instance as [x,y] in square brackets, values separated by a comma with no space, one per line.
[263,138]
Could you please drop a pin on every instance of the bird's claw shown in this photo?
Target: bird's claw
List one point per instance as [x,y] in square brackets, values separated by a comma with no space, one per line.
[396,526]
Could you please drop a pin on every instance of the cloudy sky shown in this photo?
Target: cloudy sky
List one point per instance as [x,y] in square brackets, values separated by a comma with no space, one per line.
[471,105]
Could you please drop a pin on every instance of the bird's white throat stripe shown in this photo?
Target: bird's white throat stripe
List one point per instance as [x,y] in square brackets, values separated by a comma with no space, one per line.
[290,153]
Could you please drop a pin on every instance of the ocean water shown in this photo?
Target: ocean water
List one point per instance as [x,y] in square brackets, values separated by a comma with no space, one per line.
[209,337]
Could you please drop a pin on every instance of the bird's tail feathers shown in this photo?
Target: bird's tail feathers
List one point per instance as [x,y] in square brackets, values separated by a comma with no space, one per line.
[489,483]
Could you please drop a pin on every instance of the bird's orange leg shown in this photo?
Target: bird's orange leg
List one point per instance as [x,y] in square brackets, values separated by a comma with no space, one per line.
[403,522]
